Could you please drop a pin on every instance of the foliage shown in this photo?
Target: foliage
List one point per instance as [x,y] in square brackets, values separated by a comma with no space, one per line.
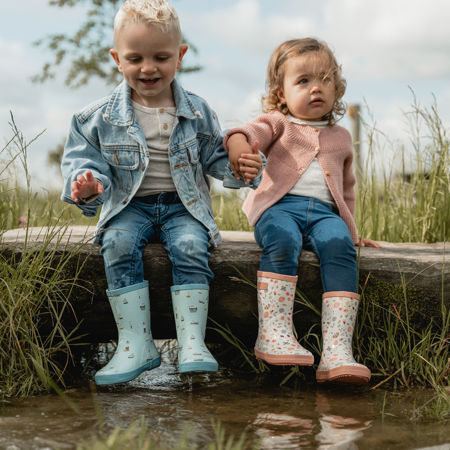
[409,202]
[87,50]
[34,287]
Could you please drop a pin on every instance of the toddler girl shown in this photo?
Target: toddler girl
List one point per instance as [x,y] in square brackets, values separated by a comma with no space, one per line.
[305,199]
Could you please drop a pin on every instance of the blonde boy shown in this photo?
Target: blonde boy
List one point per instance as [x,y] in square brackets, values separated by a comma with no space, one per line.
[143,154]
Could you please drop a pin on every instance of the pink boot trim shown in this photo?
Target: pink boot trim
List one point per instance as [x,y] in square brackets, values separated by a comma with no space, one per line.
[278,276]
[344,374]
[285,360]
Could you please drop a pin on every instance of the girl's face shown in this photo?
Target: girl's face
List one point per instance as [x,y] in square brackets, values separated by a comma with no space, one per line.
[308,86]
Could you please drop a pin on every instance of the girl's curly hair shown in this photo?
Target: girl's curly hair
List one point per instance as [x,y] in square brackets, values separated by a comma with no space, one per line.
[275,75]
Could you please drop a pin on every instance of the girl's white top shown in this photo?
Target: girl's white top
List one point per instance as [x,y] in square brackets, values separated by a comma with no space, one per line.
[312,183]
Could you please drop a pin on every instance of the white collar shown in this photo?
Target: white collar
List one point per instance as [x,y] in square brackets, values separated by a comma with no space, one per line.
[312,123]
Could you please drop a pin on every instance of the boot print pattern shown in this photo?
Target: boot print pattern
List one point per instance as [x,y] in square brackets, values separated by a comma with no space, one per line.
[136,350]
[276,342]
[338,321]
[190,307]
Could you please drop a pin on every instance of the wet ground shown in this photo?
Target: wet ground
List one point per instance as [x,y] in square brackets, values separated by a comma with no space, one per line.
[307,416]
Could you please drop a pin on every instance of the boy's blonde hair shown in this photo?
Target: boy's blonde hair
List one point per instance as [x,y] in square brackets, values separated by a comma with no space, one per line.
[275,75]
[159,13]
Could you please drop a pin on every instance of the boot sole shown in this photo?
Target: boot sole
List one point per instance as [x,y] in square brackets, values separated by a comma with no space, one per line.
[285,360]
[201,366]
[126,376]
[344,374]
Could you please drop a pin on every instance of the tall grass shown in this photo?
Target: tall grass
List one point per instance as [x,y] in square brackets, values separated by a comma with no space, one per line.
[35,283]
[408,200]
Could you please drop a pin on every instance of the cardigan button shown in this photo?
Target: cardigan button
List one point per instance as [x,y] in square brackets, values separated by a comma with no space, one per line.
[327,173]
[317,149]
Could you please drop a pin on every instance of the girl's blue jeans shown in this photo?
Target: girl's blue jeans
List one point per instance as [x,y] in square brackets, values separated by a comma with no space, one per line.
[160,217]
[295,222]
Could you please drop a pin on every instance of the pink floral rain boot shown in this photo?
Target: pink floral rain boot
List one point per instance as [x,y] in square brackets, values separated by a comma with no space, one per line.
[276,343]
[337,364]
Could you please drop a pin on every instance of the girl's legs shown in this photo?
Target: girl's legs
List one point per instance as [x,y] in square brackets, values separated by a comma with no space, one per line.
[328,236]
[330,239]
[278,233]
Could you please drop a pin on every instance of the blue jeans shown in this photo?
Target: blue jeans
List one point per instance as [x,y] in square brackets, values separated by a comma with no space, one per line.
[295,222]
[160,217]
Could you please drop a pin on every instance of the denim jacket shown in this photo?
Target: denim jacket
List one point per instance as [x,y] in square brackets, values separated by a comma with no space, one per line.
[106,139]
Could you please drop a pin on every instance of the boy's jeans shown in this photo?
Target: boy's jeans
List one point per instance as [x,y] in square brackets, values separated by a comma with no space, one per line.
[160,217]
[294,222]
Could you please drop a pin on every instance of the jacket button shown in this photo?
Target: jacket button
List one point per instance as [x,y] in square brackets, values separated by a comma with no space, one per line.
[165,126]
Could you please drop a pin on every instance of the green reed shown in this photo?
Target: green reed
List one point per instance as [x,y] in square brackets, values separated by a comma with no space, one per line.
[35,283]
[139,437]
[409,200]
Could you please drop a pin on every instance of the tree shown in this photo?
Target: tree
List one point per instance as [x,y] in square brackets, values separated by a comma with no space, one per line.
[87,50]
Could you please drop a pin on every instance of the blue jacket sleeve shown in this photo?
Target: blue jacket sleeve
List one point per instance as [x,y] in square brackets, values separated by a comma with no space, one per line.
[214,157]
[82,153]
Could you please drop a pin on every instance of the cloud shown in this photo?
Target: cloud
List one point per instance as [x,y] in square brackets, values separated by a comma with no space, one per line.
[386,39]
[383,40]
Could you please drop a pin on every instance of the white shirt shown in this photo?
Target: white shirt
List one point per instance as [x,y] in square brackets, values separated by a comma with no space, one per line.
[312,183]
[157,125]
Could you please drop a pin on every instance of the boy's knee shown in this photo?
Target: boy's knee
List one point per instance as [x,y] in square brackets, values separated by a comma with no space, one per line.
[189,245]
[116,243]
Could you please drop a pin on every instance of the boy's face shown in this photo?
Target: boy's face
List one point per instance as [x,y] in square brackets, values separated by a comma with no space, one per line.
[308,88]
[148,59]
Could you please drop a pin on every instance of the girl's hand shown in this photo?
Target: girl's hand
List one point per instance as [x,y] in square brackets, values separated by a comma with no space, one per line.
[237,145]
[86,186]
[369,243]
[250,164]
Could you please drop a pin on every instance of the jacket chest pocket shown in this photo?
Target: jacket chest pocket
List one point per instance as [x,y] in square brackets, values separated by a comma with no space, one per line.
[123,159]
[183,159]
[122,156]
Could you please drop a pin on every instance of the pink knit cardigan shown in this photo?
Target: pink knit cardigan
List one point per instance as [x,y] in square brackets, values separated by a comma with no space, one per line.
[290,149]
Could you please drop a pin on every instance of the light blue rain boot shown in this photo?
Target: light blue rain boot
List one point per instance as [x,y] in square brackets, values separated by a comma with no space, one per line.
[190,308]
[136,351]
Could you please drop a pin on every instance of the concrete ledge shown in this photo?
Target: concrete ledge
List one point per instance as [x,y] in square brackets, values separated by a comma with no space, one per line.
[419,270]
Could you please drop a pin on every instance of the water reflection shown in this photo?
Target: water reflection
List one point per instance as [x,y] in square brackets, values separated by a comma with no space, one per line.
[275,417]
[336,430]
[328,428]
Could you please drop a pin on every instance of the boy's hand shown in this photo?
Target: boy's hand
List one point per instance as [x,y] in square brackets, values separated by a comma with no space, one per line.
[245,160]
[86,186]
[250,164]
[369,243]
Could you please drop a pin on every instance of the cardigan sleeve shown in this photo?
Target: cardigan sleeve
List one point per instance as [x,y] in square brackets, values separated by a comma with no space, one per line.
[263,129]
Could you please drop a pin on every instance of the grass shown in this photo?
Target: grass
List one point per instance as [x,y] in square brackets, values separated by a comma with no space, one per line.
[407,201]
[35,284]
[139,437]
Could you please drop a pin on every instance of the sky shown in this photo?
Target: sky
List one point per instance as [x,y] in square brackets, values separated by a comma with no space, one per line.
[390,51]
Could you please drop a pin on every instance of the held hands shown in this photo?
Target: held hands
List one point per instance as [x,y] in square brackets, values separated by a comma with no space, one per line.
[245,160]
[85,187]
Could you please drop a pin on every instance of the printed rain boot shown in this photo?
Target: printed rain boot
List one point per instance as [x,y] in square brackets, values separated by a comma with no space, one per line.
[136,351]
[190,308]
[276,343]
[337,364]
